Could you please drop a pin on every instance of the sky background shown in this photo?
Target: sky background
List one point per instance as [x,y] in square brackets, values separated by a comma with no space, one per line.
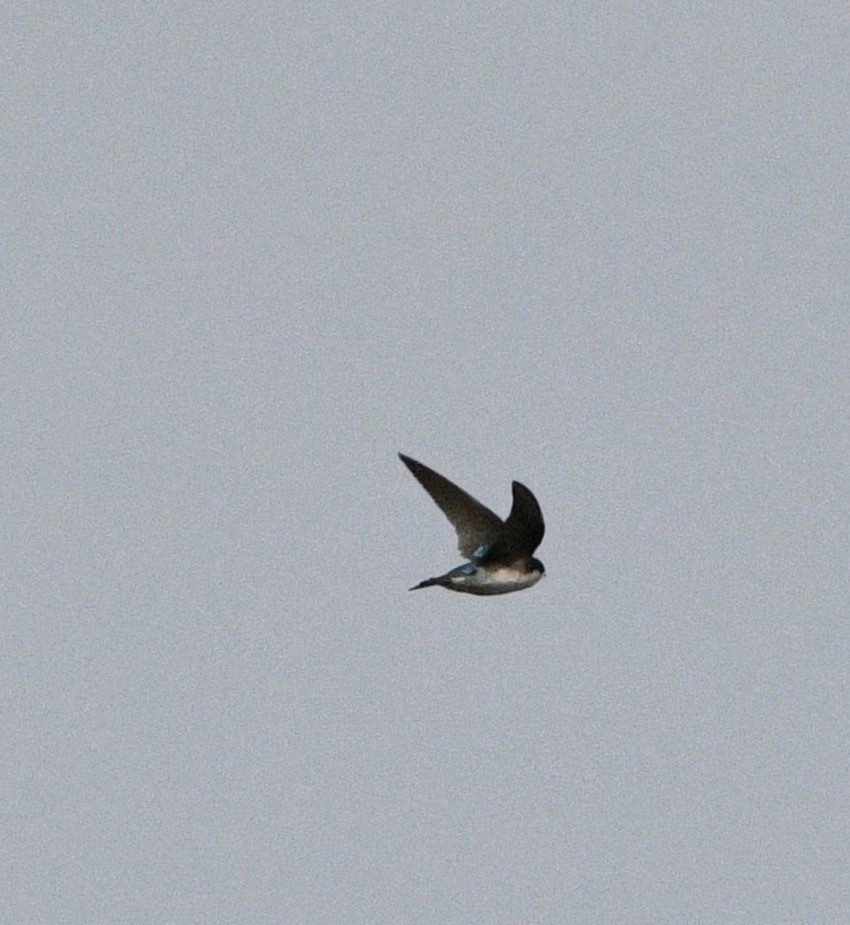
[250,253]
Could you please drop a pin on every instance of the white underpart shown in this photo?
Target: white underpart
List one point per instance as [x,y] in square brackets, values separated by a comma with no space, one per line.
[499,581]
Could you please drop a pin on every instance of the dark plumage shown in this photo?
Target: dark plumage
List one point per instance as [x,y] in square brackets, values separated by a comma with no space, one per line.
[500,552]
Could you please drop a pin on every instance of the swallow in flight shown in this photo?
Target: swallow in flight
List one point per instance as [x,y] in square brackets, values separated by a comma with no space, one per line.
[499,552]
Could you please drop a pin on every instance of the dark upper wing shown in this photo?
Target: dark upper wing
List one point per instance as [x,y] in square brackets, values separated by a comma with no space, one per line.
[475,524]
[524,528]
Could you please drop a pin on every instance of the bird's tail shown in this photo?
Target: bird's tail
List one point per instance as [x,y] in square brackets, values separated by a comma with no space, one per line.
[426,584]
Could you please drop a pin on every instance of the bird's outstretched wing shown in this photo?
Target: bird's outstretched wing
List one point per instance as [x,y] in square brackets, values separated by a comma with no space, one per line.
[523,530]
[476,525]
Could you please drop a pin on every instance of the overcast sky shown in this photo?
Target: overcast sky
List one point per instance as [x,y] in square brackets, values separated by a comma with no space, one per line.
[250,253]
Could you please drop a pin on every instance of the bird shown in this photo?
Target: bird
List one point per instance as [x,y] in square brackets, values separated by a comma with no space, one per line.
[499,552]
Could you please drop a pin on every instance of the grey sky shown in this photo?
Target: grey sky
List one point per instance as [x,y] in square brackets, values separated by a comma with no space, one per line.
[248,255]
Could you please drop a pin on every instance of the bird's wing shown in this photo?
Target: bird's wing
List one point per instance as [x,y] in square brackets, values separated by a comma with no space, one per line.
[523,530]
[475,524]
